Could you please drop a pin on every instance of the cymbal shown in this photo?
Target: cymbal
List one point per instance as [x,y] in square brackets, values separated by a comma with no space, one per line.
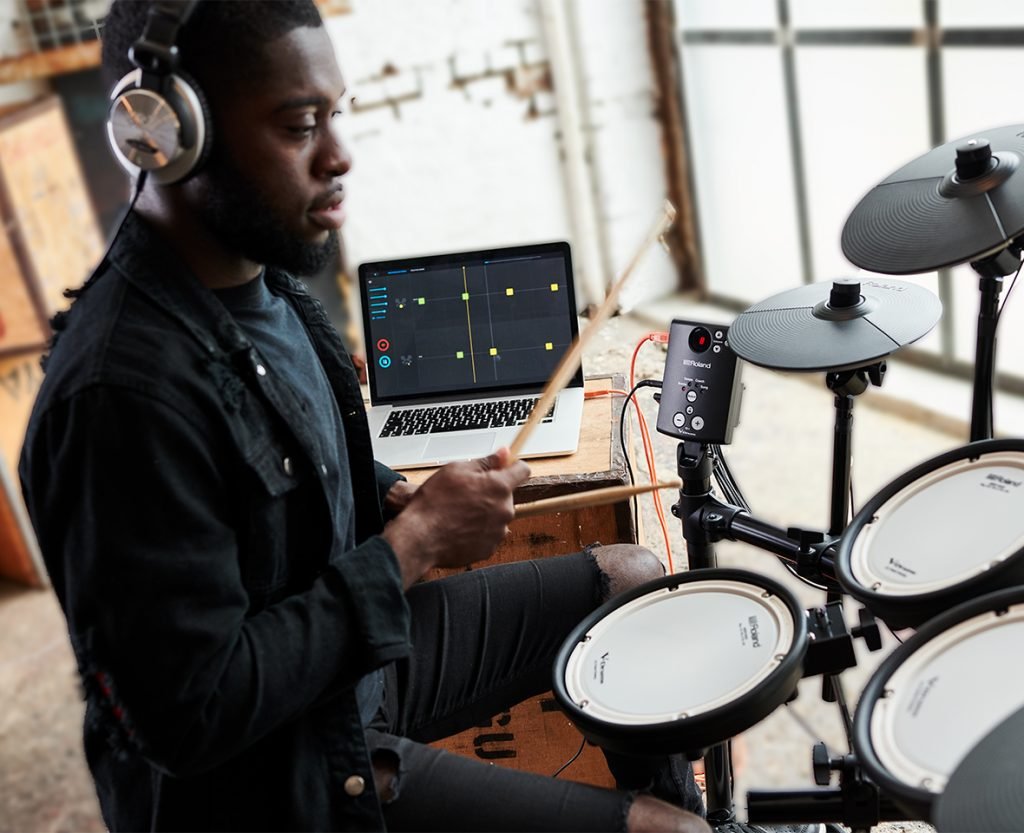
[960,202]
[834,325]
[986,790]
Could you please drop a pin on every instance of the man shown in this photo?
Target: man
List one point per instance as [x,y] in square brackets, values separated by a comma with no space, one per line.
[255,648]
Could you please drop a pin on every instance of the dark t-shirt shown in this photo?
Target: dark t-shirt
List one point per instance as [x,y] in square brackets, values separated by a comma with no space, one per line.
[283,343]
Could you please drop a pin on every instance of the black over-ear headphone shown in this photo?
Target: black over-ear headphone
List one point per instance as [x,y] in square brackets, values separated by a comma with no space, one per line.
[158,120]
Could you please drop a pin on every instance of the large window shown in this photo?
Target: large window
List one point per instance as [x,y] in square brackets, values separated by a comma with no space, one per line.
[797,108]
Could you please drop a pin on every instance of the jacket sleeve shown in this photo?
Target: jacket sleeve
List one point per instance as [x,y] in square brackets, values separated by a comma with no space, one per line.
[386,478]
[135,519]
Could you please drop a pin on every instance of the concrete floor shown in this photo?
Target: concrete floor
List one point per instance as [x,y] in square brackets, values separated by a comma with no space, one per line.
[781,456]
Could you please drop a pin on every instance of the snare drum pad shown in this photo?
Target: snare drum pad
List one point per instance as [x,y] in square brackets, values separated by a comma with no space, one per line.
[686,663]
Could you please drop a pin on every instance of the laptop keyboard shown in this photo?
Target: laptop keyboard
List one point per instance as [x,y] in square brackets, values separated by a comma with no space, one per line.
[440,419]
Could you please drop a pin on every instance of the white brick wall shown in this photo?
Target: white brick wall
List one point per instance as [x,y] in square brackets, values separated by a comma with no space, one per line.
[464,163]
[454,146]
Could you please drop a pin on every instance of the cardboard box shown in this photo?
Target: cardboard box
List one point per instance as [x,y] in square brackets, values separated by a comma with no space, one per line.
[44,204]
[21,321]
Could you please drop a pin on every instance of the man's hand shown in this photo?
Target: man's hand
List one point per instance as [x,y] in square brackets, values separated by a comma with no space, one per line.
[458,516]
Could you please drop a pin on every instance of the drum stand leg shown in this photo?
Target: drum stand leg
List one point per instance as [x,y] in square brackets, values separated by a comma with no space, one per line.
[706,520]
[718,783]
[694,466]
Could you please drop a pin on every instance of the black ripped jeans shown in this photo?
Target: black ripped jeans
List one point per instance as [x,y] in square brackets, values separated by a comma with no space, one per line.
[483,641]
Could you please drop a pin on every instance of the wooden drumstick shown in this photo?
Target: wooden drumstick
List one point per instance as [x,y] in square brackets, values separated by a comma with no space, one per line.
[571,360]
[584,500]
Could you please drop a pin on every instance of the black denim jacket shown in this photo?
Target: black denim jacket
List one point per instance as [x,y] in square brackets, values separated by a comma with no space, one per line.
[178,500]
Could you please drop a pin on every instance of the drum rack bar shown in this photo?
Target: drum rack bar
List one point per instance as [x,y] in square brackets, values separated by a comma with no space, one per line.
[858,805]
[808,551]
[707,520]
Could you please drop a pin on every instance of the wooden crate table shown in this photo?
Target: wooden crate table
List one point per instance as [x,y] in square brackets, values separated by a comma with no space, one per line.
[535,735]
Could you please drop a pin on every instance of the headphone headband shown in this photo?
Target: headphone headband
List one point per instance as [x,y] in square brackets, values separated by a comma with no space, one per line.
[155,50]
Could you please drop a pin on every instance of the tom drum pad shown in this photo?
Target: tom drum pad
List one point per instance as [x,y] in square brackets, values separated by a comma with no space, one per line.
[682,662]
[937,695]
[949,530]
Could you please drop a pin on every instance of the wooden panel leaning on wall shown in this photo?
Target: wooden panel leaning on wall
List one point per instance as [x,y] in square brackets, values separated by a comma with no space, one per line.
[49,241]
[20,560]
[535,735]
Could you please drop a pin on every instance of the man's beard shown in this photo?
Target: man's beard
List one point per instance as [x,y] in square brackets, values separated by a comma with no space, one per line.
[241,218]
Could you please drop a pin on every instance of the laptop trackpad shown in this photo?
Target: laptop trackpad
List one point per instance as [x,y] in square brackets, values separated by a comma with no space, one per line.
[465,447]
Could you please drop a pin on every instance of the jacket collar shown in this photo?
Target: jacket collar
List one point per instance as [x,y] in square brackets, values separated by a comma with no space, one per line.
[147,261]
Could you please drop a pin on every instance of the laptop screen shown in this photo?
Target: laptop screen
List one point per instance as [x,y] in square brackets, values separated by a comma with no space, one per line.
[466,324]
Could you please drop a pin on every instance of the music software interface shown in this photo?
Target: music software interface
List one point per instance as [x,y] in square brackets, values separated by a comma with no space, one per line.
[468,325]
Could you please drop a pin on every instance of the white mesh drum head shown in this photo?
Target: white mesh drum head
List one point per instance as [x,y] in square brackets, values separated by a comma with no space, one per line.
[947,526]
[946,696]
[679,652]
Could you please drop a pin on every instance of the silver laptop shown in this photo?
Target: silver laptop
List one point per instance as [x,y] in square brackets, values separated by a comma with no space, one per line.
[459,347]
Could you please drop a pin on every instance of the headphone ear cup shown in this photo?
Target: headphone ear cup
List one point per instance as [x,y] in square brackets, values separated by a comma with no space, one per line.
[165,132]
[195,104]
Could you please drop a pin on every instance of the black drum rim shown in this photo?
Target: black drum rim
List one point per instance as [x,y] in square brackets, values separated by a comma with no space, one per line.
[707,728]
[914,800]
[894,611]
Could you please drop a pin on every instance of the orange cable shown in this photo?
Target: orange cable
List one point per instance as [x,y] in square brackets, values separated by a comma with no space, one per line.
[648,446]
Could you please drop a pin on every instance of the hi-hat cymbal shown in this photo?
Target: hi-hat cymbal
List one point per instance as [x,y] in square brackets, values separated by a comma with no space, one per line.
[834,325]
[960,202]
[986,790]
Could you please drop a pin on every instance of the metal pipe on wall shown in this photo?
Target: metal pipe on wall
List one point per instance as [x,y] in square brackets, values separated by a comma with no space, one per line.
[588,232]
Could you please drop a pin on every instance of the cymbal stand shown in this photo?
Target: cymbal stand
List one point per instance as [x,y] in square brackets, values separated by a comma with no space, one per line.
[846,384]
[991,271]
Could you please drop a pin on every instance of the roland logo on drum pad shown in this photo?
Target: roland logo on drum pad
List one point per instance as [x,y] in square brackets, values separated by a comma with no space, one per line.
[899,568]
[599,667]
[1000,483]
[750,632]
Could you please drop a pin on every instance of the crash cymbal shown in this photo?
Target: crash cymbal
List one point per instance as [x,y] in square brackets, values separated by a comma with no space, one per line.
[986,790]
[834,325]
[960,202]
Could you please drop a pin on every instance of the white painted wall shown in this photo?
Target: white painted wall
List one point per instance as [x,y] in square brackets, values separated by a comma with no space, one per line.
[458,141]
[628,159]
